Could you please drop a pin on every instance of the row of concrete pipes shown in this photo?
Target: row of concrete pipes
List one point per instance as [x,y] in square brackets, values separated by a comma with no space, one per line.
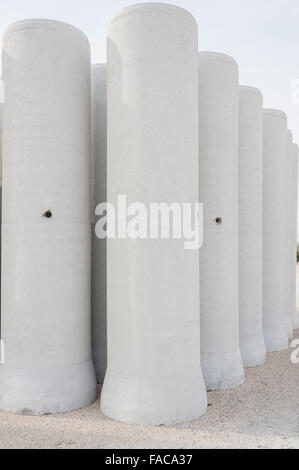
[179,321]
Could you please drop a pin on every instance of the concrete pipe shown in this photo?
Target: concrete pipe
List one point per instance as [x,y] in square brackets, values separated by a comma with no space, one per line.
[275,230]
[219,191]
[46,261]
[1,115]
[252,343]
[295,314]
[99,185]
[154,375]
[289,195]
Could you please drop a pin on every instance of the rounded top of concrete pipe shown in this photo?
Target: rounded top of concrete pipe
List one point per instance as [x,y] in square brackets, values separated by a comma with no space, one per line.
[160,8]
[219,56]
[250,89]
[34,23]
[275,112]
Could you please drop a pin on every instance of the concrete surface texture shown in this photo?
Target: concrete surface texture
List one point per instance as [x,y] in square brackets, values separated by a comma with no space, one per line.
[219,191]
[252,343]
[1,91]
[99,195]
[45,314]
[1,115]
[289,252]
[154,374]
[275,230]
[262,413]
[294,189]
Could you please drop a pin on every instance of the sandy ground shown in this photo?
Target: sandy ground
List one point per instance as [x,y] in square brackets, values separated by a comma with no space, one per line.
[262,413]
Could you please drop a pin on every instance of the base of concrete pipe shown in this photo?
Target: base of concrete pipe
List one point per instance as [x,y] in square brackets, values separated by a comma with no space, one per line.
[276,340]
[154,401]
[222,370]
[253,350]
[41,391]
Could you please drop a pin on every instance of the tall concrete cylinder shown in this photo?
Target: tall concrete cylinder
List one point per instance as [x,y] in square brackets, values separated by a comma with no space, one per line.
[289,195]
[1,116]
[295,314]
[252,343]
[219,191]
[275,230]
[154,375]
[99,195]
[2,98]
[46,260]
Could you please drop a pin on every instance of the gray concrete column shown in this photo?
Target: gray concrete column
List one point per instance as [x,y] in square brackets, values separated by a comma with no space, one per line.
[252,343]
[295,314]
[154,375]
[219,191]
[46,262]
[1,114]
[99,195]
[289,196]
[1,117]
[275,229]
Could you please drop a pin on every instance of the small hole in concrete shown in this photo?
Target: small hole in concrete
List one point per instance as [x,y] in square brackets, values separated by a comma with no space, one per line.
[48,214]
[218,221]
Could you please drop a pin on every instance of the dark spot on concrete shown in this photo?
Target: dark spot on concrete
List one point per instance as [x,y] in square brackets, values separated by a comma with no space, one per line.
[26,412]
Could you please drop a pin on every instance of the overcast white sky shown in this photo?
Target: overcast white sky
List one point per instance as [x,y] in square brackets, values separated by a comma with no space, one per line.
[262,35]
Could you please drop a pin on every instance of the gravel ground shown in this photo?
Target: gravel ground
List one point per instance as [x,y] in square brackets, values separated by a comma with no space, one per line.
[262,413]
